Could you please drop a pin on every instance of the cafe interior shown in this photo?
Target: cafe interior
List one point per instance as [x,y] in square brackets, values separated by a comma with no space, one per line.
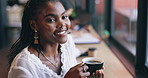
[113,30]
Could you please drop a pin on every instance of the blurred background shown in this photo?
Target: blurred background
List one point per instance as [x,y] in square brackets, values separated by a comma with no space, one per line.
[121,24]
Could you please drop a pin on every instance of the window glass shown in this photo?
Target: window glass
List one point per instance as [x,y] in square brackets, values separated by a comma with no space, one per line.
[99,11]
[125,19]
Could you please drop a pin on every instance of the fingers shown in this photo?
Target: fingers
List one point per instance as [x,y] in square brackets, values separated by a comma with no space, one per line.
[82,69]
[84,74]
[78,71]
[103,67]
[85,68]
[100,73]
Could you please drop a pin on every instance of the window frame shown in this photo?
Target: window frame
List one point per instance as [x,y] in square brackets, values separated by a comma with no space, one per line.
[141,49]
[137,62]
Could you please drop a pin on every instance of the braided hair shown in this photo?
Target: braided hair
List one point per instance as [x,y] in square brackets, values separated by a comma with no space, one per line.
[32,8]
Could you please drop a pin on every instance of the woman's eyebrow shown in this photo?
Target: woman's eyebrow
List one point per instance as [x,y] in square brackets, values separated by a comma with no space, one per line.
[64,12]
[49,15]
[54,14]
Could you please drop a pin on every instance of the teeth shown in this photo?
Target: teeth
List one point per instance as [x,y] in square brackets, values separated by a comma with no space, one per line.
[61,32]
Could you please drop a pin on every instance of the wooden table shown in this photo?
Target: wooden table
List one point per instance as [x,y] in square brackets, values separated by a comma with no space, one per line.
[113,67]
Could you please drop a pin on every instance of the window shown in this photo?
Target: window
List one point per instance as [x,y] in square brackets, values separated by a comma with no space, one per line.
[100,11]
[125,20]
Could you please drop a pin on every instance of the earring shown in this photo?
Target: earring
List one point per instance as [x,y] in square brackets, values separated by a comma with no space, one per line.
[36,37]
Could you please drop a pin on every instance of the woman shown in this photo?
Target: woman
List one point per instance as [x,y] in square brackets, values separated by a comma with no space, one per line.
[44,48]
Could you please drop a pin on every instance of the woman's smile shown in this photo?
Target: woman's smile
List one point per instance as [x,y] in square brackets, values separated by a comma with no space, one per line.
[60,34]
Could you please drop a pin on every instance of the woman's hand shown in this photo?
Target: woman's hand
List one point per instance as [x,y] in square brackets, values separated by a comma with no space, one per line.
[97,74]
[100,73]
[77,71]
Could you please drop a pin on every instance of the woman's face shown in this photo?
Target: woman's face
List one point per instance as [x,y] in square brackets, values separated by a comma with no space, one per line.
[53,23]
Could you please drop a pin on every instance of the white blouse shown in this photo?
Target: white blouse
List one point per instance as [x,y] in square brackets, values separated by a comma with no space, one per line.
[26,65]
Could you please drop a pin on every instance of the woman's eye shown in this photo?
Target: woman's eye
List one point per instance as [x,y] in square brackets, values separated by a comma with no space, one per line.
[64,17]
[51,20]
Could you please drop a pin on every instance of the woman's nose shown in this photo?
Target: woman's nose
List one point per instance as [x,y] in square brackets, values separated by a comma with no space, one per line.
[61,24]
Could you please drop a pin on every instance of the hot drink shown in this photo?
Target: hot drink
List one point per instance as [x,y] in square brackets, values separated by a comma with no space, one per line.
[93,63]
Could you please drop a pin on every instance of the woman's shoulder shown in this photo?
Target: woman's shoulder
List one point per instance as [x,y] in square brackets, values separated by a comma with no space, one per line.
[24,58]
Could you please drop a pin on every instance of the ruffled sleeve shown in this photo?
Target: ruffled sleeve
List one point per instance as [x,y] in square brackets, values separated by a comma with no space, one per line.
[68,54]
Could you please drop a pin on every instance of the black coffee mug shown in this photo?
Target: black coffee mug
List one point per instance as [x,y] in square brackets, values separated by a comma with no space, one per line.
[93,64]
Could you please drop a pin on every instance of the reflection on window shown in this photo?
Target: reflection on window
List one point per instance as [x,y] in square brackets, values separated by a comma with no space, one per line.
[125,18]
[99,11]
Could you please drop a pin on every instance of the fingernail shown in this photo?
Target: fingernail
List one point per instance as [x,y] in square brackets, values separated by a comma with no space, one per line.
[99,71]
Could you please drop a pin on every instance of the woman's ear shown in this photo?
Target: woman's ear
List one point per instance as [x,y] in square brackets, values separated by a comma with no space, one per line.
[69,11]
[33,25]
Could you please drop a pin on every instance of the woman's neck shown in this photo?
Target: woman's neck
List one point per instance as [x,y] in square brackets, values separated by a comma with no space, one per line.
[50,50]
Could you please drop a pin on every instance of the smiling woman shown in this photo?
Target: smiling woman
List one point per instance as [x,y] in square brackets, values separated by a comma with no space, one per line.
[52,23]
[44,48]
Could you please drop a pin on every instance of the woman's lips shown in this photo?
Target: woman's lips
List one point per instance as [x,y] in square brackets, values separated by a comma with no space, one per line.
[61,34]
